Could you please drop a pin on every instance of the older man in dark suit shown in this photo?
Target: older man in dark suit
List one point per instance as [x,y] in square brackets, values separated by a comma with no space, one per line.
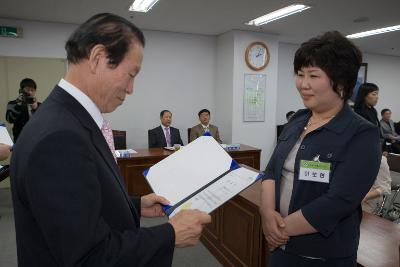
[71,207]
[164,135]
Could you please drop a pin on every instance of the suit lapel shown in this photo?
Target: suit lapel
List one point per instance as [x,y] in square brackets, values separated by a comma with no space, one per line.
[173,136]
[200,129]
[97,137]
[213,130]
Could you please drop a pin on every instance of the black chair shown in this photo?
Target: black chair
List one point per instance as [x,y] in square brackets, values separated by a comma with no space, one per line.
[394,162]
[279,129]
[381,210]
[4,172]
[397,127]
[188,132]
[119,139]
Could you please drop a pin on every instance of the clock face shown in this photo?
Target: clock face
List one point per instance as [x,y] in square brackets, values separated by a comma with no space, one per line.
[257,56]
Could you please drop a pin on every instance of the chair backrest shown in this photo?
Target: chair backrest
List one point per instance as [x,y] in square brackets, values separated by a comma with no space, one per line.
[188,132]
[394,162]
[119,139]
[4,172]
[397,127]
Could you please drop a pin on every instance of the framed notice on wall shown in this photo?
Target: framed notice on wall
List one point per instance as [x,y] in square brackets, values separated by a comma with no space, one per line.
[254,97]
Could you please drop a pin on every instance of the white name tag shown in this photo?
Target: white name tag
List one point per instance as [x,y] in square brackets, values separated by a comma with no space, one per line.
[314,171]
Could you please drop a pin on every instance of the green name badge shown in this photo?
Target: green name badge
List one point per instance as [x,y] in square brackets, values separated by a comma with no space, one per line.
[314,171]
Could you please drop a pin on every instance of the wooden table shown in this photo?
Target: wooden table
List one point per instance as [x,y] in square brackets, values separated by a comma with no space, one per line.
[394,162]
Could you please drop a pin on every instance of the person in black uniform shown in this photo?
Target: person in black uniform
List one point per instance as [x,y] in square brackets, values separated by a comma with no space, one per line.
[20,110]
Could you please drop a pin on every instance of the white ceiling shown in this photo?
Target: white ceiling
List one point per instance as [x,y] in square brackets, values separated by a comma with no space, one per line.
[214,17]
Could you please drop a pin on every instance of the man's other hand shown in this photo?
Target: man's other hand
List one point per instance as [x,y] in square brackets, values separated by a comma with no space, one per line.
[4,151]
[188,225]
[150,205]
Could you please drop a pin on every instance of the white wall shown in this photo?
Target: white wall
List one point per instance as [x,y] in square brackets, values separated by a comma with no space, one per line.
[39,39]
[185,73]
[224,86]
[258,134]
[385,72]
[178,74]
[288,98]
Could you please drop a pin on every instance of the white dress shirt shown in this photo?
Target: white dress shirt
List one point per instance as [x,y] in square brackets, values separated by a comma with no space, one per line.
[84,100]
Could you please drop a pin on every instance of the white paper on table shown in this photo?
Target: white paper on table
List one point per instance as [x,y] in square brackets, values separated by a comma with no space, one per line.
[220,192]
[186,171]
[125,153]
[5,137]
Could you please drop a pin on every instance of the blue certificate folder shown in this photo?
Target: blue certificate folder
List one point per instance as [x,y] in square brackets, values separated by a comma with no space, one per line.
[202,176]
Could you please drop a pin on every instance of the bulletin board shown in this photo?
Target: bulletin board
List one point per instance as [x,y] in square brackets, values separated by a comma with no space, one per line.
[254,97]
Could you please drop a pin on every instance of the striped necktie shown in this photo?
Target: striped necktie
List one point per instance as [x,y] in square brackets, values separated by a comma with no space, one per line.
[107,133]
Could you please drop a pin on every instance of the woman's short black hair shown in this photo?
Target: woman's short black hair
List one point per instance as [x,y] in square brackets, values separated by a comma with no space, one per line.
[338,57]
[363,91]
[112,31]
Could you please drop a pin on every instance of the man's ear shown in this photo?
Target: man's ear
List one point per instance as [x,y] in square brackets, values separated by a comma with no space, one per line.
[97,57]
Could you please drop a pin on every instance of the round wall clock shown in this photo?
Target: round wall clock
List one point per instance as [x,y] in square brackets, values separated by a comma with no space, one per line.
[257,56]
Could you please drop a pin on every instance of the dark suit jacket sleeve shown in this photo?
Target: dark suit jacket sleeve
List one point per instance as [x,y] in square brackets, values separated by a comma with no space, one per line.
[152,138]
[136,201]
[217,136]
[13,112]
[64,195]
[351,181]
[193,134]
[178,137]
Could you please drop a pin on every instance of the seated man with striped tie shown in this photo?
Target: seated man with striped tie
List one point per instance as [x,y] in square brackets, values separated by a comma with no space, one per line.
[204,127]
[164,135]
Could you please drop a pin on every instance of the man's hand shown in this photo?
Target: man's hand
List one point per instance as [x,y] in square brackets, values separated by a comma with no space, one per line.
[4,151]
[188,225]
[34,105]
[19,99]
[274,229]
[150,205]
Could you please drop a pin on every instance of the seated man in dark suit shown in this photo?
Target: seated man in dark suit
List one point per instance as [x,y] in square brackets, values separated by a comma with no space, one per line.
[164,135]
[204,126]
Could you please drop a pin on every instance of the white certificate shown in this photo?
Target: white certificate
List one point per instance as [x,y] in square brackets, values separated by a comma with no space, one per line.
[185,171]
[202,166]
[219,192]
[5,137]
